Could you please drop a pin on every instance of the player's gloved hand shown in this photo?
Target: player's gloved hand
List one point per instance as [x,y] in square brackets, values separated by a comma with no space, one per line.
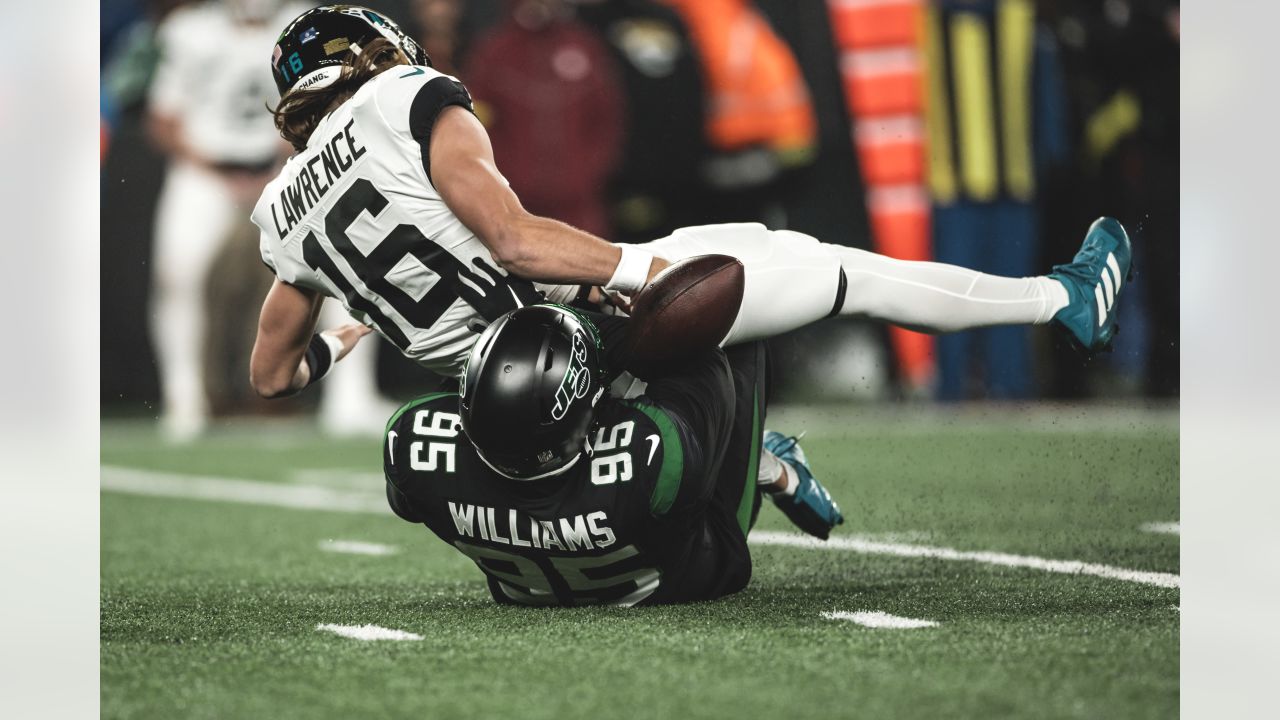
[491,293]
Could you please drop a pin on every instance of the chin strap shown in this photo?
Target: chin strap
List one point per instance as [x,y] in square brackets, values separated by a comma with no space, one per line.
[558,471]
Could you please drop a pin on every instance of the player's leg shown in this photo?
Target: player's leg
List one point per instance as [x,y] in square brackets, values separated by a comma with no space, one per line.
[735,497]
[194,216]
[758,463]
[350,403]
[791,278]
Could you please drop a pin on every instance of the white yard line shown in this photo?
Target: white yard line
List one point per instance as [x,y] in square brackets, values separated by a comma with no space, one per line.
[367,632]
[304,497]
[872,547]
[1164,528]
[357,547]
[253,492]
[871,619]
[338,479]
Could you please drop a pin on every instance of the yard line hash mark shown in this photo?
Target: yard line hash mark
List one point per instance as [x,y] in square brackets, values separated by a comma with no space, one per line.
[252,492]
[357,547]
[872,547]
[304,497]
[367,632]
[1164,528]
[876,619]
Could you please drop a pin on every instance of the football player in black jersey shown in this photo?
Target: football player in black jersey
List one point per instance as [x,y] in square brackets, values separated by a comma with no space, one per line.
[564,496]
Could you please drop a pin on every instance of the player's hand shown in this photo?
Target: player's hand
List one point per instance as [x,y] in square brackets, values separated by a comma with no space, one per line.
[657,266]
[490,292]
[348,335]
[620,303]
[606,299]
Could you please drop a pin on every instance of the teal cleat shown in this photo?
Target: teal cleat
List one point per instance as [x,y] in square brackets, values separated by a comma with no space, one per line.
[811,507]
[1094,280]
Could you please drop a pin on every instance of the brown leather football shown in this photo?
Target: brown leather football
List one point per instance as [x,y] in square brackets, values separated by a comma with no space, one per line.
[688,308]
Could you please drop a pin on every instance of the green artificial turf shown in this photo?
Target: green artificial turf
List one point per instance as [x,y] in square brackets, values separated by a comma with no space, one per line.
[209,609]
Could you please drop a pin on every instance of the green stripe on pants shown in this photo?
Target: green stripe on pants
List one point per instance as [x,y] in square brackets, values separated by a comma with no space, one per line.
[747,503]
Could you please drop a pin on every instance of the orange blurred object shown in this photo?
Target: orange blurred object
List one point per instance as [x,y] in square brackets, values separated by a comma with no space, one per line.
[881,66]
[756,94]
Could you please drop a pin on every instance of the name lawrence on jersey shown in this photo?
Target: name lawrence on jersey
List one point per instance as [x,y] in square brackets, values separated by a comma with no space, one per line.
[336,157]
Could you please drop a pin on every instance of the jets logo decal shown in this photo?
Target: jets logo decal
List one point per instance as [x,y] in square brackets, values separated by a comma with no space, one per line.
[576,381]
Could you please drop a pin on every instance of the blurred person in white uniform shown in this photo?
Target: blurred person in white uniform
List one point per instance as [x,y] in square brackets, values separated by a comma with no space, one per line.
[208,113]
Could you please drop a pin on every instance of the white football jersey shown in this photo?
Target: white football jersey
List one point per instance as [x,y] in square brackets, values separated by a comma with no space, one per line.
[214,75]
[355,217]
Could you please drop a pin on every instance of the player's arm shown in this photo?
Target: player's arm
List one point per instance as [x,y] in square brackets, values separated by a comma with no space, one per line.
[286,355]
[536,248]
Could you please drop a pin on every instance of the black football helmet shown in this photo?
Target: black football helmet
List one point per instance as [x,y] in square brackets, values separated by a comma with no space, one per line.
[313,48]
[529,391]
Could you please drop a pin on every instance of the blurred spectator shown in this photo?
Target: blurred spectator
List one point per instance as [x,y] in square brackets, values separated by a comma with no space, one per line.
[207,113]
[129,53]
[759,118]
[546,89]
[440,35]
[994,116]
[657,187]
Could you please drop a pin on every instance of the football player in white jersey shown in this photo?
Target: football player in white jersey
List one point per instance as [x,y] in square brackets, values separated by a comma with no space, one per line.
[207,112]
[393,204]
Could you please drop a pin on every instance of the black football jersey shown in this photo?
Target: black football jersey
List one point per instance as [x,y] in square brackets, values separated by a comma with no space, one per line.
[626,524]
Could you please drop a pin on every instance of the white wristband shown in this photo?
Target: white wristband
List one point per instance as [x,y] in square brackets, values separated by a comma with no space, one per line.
[334,343]
[632,272]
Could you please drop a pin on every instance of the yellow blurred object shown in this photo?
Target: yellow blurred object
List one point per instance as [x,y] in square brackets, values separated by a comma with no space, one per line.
[1111,123]
[978,117]
[975,116]
[1016,24]
[484,112]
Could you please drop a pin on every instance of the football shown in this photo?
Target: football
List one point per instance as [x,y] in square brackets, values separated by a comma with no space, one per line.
[689,307]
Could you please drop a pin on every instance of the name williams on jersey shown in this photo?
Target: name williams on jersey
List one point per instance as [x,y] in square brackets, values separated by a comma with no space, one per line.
[508,527]
[336,157]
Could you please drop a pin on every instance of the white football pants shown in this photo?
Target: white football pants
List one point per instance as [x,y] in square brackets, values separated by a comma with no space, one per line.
[194,216]
[793,280]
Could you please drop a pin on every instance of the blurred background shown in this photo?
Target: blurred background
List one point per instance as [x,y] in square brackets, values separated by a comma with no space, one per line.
[985,133]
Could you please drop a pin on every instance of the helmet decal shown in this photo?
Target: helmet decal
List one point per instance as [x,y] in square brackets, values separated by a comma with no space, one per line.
[462,378]
[336,45]
[577,378]
[313,48]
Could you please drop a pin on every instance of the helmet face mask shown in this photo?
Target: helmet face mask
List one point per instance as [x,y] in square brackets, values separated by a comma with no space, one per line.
[315,46]
[529,390]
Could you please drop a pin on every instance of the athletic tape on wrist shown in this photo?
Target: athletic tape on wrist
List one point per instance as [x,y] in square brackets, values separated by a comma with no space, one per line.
[632,272]
[321,354]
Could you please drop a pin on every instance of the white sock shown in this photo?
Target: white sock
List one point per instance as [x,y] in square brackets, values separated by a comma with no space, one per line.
[934,297]
[771,468]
